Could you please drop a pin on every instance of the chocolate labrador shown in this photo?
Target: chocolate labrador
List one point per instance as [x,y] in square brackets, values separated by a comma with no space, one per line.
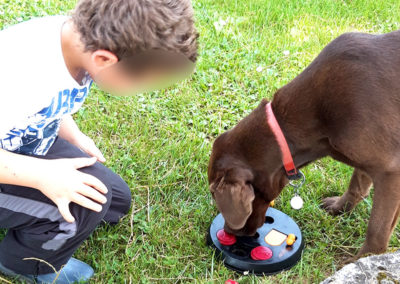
[345,104]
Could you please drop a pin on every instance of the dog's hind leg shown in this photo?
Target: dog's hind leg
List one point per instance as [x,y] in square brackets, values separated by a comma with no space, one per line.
[384,214]
[360,184]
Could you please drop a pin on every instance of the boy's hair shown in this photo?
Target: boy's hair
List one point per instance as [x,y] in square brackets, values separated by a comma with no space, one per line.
[130,27]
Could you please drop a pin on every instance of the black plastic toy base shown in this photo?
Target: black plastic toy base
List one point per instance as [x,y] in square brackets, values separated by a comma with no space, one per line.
[237,256]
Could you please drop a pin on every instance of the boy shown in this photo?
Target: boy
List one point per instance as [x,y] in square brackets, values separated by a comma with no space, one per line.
[54,190]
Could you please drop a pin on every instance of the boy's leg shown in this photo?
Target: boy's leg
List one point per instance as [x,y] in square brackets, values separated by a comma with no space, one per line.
[37,229]
[120,201]
[121,194]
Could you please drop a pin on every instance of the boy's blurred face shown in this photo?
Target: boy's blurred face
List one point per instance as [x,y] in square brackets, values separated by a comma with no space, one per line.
[120,79]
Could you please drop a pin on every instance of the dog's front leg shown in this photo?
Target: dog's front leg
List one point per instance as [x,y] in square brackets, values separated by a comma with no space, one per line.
[384,214]
[358,189]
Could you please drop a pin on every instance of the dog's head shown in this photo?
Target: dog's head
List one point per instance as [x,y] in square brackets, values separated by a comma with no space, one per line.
[245,173]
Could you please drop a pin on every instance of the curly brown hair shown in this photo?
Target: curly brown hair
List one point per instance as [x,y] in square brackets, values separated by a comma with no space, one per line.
[129,27]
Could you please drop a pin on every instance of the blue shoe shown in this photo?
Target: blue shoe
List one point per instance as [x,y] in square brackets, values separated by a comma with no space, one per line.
[75,271]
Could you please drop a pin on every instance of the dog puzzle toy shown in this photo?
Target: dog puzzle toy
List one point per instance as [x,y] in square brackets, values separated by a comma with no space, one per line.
[230,281]
[276,246]
[225,239]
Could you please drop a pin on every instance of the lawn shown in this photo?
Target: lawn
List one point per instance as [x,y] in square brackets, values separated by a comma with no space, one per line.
[160,141]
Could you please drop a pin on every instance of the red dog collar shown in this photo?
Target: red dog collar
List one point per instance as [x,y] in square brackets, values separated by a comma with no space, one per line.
[287,159]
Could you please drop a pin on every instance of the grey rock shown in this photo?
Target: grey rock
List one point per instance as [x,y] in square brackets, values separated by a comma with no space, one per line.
[382,269]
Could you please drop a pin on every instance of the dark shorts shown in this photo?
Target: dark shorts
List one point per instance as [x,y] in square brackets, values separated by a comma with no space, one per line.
[36,229]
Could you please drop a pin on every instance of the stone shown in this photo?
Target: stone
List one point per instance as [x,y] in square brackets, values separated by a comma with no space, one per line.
[382,269]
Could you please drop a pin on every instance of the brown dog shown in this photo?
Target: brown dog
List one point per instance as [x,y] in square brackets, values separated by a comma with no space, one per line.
[345,104]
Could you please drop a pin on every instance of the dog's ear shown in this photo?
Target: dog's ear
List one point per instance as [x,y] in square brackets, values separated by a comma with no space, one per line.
[234,196]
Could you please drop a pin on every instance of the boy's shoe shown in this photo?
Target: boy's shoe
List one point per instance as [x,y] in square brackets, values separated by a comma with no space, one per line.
[75,271]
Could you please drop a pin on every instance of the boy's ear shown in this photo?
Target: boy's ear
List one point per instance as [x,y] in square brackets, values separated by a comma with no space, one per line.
[103,58]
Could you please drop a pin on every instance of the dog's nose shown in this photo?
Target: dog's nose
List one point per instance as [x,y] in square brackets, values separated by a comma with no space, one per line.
[231,231]
[239,233]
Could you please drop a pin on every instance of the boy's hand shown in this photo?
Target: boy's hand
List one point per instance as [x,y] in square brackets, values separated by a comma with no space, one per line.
[64,184]
[70,132]
[87,145]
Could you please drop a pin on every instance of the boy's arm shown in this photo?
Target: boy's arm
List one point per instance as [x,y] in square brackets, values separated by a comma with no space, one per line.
[58,179]
[70,132]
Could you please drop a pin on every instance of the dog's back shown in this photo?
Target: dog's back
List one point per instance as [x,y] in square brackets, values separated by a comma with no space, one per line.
[353,86]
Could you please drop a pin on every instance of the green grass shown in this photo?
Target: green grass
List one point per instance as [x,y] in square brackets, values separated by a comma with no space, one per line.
[160,142]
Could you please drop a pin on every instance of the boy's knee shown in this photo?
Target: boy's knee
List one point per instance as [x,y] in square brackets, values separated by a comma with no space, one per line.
[121,200]
[100,172]
[126,198]
[118,196]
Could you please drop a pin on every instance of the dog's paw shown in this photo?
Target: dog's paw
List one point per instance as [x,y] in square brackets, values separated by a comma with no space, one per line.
[333,205]
[348,260]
